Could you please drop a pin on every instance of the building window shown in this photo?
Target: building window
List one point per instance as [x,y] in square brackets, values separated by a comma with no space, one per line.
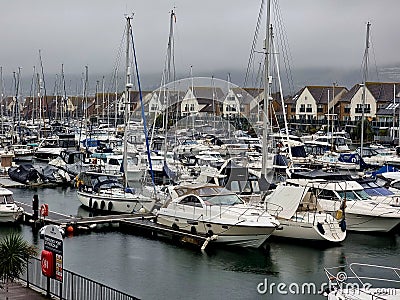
[293,109]
[367,109]
[302,107]
[347,109]
[186,107]
[192,107]
[320,108]
[309,108]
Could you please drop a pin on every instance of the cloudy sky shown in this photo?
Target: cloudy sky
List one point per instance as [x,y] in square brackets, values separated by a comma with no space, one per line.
[210,35]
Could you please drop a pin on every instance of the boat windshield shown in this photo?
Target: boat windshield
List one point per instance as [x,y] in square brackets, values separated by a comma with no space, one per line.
[362,194]
[348,195]
[6,199]
[227,199]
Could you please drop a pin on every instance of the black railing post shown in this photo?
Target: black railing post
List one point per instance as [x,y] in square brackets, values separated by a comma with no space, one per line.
[48,288]
[27,272]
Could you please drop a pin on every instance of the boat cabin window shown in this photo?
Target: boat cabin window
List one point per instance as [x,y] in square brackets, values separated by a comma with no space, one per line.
[191,201]
[228,199]
[362,194]
[113,162]
[327,194]
[349,195]
[396,185]
[6,199]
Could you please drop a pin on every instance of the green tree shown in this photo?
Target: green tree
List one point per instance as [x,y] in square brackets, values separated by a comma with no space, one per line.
[14,253]
[368,132]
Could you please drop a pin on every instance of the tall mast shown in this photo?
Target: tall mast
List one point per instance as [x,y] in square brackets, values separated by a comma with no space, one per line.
[365,74]
[1,97]
[128,86]
[168,80]
[266,93]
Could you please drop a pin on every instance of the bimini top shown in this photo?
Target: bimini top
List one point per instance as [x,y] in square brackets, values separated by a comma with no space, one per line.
[201,189]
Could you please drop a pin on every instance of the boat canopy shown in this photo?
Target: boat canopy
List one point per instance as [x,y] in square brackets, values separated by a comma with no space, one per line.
[288,198]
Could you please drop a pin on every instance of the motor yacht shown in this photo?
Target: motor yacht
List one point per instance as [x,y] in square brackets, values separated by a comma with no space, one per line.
[301,216]
[208,209]
[9,211]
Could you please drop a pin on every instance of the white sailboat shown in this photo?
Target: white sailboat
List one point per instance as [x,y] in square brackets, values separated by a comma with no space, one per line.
[100,191]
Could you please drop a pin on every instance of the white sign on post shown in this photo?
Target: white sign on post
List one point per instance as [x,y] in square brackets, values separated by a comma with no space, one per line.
[53,242]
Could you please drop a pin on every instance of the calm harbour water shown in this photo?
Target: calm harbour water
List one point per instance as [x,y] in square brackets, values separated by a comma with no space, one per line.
[155,269]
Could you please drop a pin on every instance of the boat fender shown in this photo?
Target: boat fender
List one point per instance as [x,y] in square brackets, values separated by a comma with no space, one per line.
[102,204]
[339,214]
[342,225]
[210,233]
[95,205]
[110,206]
[90,202]
[320,228]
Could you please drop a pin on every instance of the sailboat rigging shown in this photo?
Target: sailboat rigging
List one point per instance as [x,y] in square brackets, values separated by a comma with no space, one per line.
[100,191]
[365,74]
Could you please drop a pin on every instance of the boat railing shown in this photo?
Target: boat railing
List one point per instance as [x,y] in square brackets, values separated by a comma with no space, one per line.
[361,276]
[273,209]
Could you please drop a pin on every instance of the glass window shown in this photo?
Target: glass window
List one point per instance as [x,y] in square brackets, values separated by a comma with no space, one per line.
[349,195]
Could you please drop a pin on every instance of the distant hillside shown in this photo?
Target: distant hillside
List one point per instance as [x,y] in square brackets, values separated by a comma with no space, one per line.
[301,77]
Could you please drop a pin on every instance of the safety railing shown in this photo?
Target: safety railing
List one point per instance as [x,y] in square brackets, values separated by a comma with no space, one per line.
[73,287]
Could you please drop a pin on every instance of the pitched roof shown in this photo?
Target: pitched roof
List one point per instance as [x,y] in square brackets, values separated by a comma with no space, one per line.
[243,96]
[206,92]
[383,91]
[323,94]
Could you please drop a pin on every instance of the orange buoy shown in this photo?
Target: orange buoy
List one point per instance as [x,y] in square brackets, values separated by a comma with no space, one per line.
[70,229]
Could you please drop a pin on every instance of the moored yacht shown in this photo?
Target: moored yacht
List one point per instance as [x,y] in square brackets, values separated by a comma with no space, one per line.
[209,209]
[9,211]
[301,216]
[362,213]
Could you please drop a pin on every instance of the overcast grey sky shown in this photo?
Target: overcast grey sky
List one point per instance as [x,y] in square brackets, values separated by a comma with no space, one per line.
[211,35]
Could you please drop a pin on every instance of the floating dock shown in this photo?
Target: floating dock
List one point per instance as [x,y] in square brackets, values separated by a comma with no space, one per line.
[138,223]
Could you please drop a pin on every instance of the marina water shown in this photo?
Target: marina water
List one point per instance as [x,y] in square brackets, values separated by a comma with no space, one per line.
[156,269]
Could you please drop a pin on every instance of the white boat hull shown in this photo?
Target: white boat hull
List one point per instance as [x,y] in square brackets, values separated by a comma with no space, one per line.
[235,234]
[308,231]
[10,213]
[115,202]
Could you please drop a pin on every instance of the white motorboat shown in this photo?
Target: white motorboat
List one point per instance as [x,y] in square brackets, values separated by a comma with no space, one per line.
[361,212]
[359,281]
[301,216]
[209,209]
[104,192]
[9,211]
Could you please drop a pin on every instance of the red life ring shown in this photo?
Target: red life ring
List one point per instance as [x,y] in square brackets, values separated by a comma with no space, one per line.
[44,210]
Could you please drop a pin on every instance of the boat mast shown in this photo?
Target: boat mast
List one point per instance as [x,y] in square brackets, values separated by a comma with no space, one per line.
[365,74]
[266,94]
[128,86]
[168,80]
[1,98]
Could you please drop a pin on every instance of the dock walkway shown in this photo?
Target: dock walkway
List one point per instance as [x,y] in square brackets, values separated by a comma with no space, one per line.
[17,290]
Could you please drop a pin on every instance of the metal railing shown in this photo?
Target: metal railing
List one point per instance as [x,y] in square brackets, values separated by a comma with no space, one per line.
[73,287]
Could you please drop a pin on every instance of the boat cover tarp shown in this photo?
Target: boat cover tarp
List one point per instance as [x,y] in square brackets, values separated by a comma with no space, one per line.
[25,173]
[288,198]
[384,169]
[320,174]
